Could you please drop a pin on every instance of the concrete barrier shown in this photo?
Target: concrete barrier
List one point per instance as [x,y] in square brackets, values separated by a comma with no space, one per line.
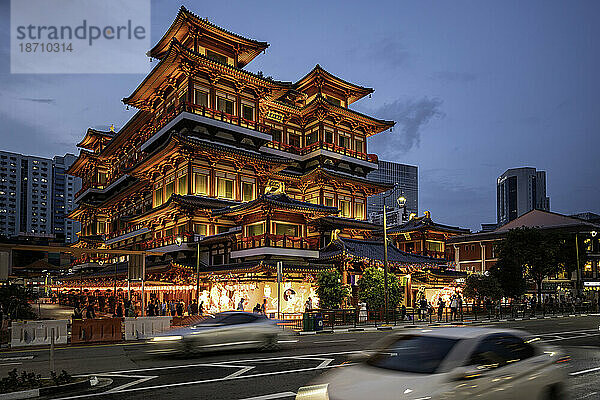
[189,320]
[36,333]
[96,330]
[143,327]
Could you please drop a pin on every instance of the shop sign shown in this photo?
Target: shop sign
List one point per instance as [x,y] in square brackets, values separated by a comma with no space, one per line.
[591,284]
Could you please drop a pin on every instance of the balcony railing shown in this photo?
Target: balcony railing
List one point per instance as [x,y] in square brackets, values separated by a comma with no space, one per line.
[124,231]
[166,241]
[272,240]
[324,146]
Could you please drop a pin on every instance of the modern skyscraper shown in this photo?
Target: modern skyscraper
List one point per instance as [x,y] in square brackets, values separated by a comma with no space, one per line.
[520,190]
[34,194]
[407,179]
[64,188]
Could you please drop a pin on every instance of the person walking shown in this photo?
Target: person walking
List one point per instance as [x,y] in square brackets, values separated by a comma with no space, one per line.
[263,308]
[119,310]
[240,306]
[201,308]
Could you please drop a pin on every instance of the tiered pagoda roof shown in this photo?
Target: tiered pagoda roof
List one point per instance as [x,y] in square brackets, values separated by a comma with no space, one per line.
[346,248]
[188,24]
[318,77]
[425,223]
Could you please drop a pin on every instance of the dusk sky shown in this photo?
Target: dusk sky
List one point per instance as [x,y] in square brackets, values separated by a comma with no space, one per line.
[476,87]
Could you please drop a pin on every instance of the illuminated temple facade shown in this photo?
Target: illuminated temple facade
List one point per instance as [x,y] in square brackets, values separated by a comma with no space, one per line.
[240,168]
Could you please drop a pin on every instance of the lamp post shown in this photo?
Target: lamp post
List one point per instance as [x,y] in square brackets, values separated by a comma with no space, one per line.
[401,202]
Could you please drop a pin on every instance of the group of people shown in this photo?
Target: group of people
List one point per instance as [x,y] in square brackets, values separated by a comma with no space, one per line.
[258,308]
[455,306]
[174,308]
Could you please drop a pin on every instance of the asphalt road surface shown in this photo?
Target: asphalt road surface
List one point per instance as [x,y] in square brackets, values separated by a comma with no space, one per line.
[273,375]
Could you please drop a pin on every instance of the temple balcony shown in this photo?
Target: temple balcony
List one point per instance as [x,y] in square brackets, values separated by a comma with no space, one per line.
[208,117]
[280,245]
[322,148]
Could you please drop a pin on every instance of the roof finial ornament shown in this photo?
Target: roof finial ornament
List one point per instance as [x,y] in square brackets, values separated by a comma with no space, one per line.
[428,214]
[112,127]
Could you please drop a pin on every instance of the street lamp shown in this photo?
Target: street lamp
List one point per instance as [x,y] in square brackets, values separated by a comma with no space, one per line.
[401,201]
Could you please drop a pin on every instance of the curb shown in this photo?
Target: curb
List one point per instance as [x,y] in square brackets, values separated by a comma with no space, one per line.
[46,391]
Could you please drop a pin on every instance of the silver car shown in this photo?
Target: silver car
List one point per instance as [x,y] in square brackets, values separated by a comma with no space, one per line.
[226,330]
[449,363]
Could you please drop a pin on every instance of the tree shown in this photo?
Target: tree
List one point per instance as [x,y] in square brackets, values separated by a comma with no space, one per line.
[371,289]
[330,289]
[534,254]
[14,300]
[510,277]
[478,286]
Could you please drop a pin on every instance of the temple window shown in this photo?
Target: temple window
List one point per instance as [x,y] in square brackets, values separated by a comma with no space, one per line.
[216,56]
[158,195]
[200,229]
[169,232]
[102,178]
[294,139]
[328,201]
[282,228]
[169,186]
[255,229]
[222,229]
[201,97]
[201,182]
[345,141]
[344,206]
[328,135]
[358,145]
[182,186]
[312,137]
[181,229]
[248,112]
[276,133]
[226,103]
[248,191]
[359,211]
[225,188]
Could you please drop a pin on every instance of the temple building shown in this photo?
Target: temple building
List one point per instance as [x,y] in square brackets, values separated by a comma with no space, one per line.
[226,169]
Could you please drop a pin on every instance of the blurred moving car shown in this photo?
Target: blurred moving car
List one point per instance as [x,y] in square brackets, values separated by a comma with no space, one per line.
[226,330]
[449,363]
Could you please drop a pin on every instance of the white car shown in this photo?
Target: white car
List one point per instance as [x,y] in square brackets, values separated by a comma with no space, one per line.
[223,331]
[449,363]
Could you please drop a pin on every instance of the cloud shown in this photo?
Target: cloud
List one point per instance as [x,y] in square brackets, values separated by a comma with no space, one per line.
[454,77]
[46,101]
[388,50]
[410,116]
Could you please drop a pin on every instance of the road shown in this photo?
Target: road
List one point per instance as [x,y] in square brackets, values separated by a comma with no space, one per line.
[275,375]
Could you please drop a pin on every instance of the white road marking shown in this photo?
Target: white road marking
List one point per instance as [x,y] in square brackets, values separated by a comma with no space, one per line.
[11,363]
[588,395]
[16,358]
[239,372]
[585,371]
[335,341]
[272,396]
[325,363]
[141,379]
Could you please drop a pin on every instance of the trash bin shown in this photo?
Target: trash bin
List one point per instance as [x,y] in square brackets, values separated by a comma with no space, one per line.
[318,322]
[308,323]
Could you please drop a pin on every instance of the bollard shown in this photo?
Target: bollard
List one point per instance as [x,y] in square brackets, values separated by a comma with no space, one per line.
[52,350]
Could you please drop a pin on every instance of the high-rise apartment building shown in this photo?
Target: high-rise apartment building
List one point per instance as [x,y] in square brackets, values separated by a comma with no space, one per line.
[64,188]
[33,192]
[520,190]
[406,178]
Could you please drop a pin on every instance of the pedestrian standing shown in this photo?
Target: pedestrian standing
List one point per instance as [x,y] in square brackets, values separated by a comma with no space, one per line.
[201,308]
[179,309]
[453,306]
[240,306]
[441,305]
[263,308]
[194,308]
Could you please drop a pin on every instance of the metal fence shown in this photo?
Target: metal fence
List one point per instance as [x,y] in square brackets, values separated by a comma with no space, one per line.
[469,312]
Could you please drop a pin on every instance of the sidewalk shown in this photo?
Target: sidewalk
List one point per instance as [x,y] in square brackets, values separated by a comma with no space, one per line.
[425,324]
[52,311]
